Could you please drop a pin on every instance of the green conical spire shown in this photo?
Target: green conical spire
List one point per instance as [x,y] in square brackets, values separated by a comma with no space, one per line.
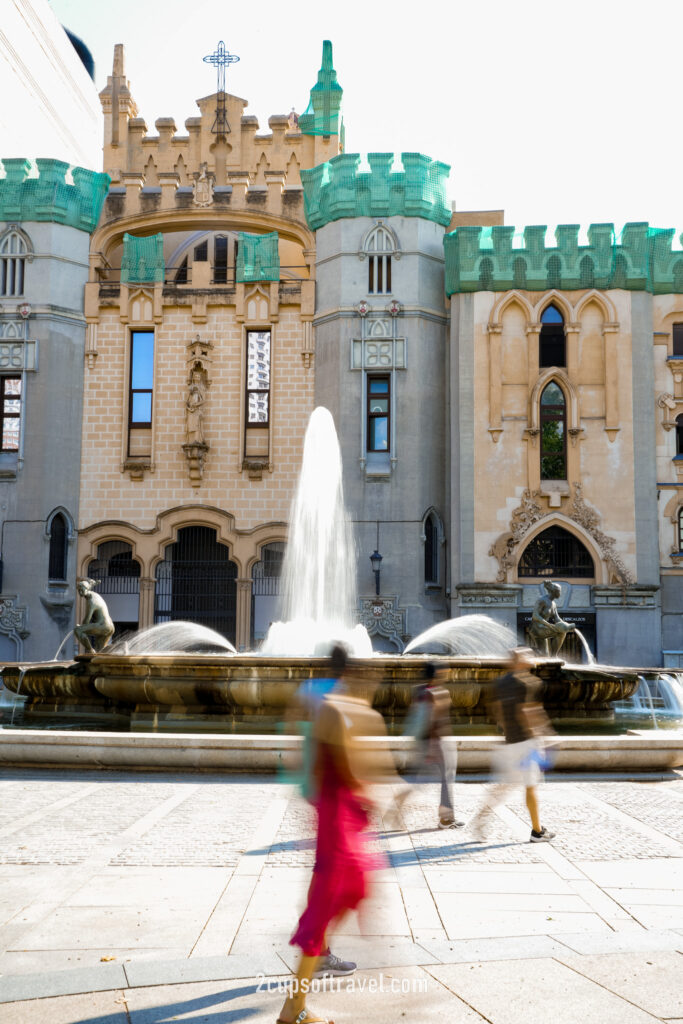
[322,116]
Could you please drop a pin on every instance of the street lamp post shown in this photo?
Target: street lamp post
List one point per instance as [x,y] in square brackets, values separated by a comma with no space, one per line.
[376,562]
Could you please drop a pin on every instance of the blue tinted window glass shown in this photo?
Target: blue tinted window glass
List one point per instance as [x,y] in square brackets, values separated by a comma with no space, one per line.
[551,315]
[142,374]
[142,408]
[379,434]
[378,385]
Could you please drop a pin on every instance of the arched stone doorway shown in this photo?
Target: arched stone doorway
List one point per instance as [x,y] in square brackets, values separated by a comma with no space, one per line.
[196,582]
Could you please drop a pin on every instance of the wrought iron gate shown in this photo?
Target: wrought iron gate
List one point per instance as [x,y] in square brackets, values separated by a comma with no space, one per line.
[196,582]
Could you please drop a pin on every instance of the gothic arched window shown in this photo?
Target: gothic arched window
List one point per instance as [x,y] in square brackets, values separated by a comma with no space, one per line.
[551,350]
[553,423]
[379,247]
[59,538]
[556,552]
[13,251]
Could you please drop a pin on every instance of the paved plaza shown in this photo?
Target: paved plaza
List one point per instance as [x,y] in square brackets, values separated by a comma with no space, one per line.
[142,898]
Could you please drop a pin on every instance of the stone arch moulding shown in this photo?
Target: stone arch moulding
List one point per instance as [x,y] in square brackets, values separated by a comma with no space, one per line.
[16,229]
[68,519]
[110,235]
[554,373]
[603,302]
[553,297]
[530,519]
[508,299]
[381,223]
[557,519]
[100,533]
[172,520]
[268,533]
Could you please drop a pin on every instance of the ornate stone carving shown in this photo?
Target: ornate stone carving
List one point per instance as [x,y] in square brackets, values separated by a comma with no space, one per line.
[589,519]
[13,618]
[531,512]
[381,615]
[485,595]
[523,518]
[667,403]
[203,187]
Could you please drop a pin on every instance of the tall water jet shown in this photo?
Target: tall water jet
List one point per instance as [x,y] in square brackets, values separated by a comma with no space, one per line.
[319,571]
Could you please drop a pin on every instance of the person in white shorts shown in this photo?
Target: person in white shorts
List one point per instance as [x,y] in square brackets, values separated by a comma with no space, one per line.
[524,722]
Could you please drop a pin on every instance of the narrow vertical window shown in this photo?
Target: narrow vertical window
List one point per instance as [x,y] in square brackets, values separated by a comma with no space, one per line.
[10,412]
[680,529]
[552,340]
[553,433]
[679,434]
[141,393]
[379,434]
[431,550]
[220,260]
[12,260]
[379,246]
[258,378]
[58,548]
[677,339]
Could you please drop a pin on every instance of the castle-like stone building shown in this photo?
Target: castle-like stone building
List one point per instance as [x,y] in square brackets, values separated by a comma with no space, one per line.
[508,403]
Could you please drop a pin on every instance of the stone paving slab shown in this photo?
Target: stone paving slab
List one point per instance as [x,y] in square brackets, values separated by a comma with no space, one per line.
[544,990]
[175,891]
[654,983]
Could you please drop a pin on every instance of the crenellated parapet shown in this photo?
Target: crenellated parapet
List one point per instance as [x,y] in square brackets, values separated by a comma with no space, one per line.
[46,196]
[165,156]
[499,258]
[339,188]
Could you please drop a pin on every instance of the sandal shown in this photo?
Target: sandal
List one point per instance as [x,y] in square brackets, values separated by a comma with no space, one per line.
[305,1017]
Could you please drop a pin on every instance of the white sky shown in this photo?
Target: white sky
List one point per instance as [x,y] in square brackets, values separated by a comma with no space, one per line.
[557,112]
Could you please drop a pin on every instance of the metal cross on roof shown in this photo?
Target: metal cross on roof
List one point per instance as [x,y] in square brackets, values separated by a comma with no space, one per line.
[220,59]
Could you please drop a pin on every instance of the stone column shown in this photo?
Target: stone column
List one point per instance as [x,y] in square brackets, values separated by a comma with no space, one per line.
[243,614]
[572,332]
[146,608]
[610,333]
[495,381]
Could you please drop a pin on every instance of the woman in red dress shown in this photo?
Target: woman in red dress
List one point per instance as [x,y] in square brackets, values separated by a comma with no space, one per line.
[343,860]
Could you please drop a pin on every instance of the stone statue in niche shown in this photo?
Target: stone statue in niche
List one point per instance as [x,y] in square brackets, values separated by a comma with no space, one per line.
[203,186]
[548,631]
[194,411]
[195,447]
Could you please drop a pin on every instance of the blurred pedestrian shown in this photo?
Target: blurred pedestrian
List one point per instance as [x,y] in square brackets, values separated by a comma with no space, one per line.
[523,756]
[344,765]
[430,723]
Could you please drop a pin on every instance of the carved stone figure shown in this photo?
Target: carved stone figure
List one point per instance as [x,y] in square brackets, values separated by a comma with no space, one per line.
[194,412]
[548,631]
[203,187]
[97,628]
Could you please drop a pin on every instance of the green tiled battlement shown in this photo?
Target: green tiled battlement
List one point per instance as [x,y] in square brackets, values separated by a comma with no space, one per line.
[48,197]
[339,189]
[499,258]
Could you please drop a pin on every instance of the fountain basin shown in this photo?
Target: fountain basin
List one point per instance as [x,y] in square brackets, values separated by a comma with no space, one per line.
[208,689]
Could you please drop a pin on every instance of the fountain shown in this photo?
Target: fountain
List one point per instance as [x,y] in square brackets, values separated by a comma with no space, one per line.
[181,677]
